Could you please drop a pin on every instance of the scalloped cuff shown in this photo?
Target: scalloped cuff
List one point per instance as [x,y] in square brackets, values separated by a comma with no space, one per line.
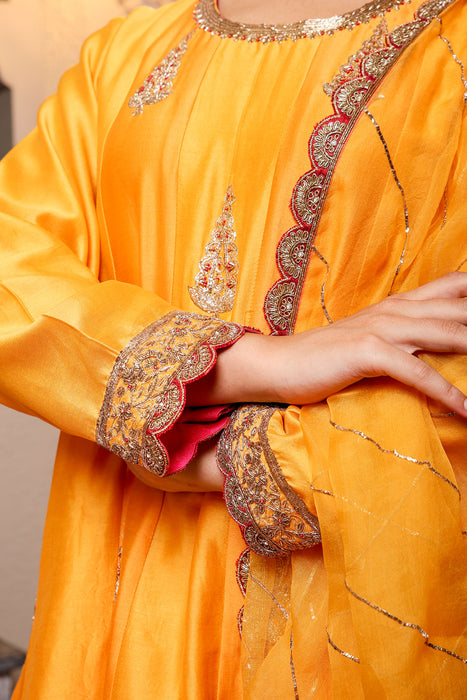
[273,518]
[145,395]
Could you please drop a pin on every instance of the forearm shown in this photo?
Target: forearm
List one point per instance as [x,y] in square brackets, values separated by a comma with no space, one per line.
[384,339]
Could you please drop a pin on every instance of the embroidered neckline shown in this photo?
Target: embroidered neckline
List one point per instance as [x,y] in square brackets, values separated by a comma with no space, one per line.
[207,16]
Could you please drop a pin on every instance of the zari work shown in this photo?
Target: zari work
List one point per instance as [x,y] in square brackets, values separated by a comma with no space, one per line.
[216,281]
[119,213]
[350,91]
[272,518]
[159,84]
[210,20]
[146,393]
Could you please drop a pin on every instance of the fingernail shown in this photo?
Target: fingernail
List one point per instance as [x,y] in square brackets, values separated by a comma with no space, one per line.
[465,404]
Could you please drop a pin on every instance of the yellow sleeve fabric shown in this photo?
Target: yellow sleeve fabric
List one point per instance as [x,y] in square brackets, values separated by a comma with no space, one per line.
[72,340]
[266,489]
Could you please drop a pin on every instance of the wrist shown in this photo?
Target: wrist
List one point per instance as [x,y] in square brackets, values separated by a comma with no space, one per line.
[244,373]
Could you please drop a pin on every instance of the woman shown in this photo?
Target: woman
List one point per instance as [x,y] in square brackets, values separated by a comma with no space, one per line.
[145,226]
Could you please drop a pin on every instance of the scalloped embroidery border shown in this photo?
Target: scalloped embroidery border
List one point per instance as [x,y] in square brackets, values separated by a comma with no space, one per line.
[350,92]
[259,498]
[145,394]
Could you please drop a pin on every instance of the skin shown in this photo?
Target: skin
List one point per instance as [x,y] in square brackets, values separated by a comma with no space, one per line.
[383,339]
[280,12]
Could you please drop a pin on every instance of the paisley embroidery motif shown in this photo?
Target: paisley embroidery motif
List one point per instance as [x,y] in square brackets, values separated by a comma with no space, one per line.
[145,394]
[159,84]
[216,282]
[350,91]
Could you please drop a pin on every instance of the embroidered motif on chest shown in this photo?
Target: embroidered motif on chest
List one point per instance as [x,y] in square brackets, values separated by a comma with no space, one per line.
[216,282]
[159,84]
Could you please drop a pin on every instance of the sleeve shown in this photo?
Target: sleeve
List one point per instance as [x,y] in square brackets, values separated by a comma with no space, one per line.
[103,360]
[264,454]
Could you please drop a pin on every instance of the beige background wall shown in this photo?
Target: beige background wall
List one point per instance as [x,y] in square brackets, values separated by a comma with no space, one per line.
[38,40]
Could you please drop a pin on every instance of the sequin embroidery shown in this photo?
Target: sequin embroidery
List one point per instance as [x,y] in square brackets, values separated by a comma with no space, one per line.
[159,83]
[350,91]
[216,282]
[209,19]
[146,391]
[273,519]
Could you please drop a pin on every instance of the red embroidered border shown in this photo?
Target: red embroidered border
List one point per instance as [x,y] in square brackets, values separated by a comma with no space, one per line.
[350,91]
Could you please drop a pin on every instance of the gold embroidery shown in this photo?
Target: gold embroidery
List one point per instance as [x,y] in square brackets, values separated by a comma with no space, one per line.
[410,625]
[243,570]
[401,189]
[344,653]
[240,617]
[350,91]
[216,282]
[395,453]
[209,19]
[323,286]
[273,519]
[159,84]
[274,599]
[292,667]
[146,391]
[351,69]
[455,57]
[118,572]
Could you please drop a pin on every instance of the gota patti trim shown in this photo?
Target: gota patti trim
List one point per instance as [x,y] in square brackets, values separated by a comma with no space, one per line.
[208,18]
[216,282]
[159,83]
[273,519]
[145,394]
[350,91]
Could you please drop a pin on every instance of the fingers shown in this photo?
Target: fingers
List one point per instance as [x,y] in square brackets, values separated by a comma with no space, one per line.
[450,286]
[421,334]
[452,309]
[412,371]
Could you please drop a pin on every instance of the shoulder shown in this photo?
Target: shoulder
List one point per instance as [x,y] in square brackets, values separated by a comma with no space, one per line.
[123,41]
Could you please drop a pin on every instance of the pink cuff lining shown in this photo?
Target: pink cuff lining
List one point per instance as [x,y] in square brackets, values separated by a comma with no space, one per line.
[195,425]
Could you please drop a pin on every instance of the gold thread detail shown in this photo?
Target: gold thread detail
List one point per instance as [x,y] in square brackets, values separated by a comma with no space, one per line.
[401,190]
[324,492]
[118,572]
[216,282]
[145,394]
[270,594]
[292,667]
[455,57]
[350,92]
[344,653]
[323,286]
[272,517]
[159,83]
[397,454]
[209,19]
[410,625]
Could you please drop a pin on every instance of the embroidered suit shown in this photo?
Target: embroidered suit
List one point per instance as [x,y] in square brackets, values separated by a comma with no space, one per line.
[144,224]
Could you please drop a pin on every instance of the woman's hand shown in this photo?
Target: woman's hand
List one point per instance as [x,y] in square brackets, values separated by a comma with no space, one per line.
[380,340]
[200,475]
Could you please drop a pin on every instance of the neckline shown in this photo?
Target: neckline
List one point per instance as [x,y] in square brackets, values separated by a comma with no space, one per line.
[207,16]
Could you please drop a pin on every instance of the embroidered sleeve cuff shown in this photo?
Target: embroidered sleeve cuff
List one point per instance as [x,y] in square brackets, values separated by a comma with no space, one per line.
[145,395]
[273,518]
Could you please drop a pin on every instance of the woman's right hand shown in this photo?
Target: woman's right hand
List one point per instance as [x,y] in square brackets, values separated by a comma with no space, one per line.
[380,340]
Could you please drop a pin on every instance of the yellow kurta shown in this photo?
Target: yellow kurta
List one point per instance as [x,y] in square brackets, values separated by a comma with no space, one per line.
[107,215]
